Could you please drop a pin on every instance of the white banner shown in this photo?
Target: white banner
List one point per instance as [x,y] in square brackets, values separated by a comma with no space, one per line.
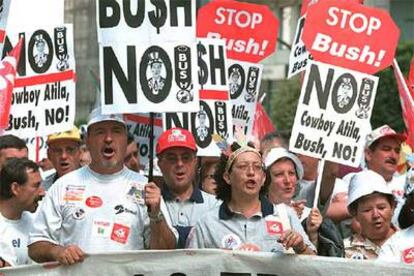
[299,57]
[213,262]
[146,22]
[43,99]
[4,14]
[139,126]
[332,118]
[244,84]
[214,114]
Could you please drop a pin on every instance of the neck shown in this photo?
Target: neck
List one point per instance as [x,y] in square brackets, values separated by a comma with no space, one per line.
[381,241]
[182,194]
[9,210]
[275,199]
[246,207]
[101,170]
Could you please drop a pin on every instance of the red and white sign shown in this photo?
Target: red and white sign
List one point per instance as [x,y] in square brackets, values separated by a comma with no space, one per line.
[120,233]
[350,35]
[250,30]
[94,202]
[408,255]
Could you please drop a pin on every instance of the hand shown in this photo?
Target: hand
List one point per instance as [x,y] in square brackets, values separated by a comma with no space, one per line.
[314,221]
[298,205]
[68,255]
[293,239]
[153,198]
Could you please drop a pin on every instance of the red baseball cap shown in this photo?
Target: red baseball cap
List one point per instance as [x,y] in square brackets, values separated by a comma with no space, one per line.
[175,137]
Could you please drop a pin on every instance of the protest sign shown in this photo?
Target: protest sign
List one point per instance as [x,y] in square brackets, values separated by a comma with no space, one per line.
[244,83]
[250,30]
[333,113]
[214,115]
[43,100]
[148,56]
[299,56]
[350,35]
[139,126]
[147,22]
[37,148]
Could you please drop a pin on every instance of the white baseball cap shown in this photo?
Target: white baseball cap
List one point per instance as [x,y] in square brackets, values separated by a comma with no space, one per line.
[96,116]
[277,153]
[383,131]
[365,183]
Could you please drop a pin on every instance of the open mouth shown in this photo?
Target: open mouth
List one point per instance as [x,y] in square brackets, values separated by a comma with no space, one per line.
[108,152]
[251,184]
[64,165]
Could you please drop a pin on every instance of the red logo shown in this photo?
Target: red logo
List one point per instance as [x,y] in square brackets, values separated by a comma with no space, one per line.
[250,30]
[94,202]
[120,233]
[274,227]
[350,35]
[408,255]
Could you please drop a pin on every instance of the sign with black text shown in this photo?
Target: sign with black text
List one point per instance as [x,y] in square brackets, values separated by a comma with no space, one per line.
[43,100]
[332,118]
[299,56]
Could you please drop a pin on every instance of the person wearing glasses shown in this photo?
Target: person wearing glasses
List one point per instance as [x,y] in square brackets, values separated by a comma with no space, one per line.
[246,220]
[64,153]
[176,151]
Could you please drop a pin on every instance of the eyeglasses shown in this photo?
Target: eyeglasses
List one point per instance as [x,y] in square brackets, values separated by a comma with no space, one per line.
[172,158]
[245,167]
[68,150]
[209,176]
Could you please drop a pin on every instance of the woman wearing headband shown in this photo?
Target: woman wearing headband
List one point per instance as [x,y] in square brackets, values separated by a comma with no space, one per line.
[246,220]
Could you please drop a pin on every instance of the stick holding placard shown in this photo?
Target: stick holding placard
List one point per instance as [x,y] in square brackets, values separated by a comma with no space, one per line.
[318,183]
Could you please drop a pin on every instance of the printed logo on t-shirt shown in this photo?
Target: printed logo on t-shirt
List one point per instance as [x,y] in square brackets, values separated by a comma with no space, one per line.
[94,202]
[137,193]
[79,213]
[273,225]
[101,228]
[74,193]
[119,209]
[120,233]
[230,241]
[408,255]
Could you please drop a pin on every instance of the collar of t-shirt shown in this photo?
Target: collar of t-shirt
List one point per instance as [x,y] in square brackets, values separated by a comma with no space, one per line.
[266,208]
[106,177]
[196,196]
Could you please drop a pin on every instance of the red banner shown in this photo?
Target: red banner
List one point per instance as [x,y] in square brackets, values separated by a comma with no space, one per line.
[250,30]
[262,122]
[350,35]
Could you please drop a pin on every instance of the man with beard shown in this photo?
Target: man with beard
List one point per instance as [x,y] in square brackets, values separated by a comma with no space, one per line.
[102,207]
[382,152]
[176,150]
[20,191]
[64,153]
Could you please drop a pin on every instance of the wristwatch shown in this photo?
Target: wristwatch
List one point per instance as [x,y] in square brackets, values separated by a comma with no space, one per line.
[156,218]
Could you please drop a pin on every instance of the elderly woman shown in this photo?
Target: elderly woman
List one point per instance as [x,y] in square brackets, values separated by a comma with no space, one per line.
[246,220]
[284,170]
[371,203]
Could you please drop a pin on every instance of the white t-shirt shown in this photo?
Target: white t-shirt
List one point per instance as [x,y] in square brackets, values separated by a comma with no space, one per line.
[399,247]
[14,235]
[99,213]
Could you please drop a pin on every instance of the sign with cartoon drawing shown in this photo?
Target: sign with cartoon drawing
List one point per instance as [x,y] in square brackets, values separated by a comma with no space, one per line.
[332,118]
[214,114]
[244,84]
[43,100]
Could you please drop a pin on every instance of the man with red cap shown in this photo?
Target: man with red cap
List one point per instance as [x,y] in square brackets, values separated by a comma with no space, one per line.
[176,151]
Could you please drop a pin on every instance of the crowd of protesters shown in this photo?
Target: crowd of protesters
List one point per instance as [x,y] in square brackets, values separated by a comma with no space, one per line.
[97,198]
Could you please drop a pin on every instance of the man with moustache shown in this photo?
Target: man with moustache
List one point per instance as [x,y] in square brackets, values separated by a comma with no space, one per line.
[64,153]
[101,207]
[20,192]
[176,151]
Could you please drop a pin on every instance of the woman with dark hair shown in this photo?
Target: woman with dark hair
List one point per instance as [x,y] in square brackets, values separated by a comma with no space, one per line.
[246,220]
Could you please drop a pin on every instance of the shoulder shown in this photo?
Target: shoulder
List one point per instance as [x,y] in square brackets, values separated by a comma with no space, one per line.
[210,199]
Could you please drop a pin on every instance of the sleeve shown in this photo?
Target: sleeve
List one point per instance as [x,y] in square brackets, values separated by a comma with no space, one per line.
[7,252]
[48,222]
[297,226]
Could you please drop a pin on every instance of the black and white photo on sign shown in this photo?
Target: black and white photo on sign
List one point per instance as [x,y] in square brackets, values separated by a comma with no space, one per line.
[43,106]
[146,22]
[332,118]
[244,86]
[213,117]
[148,78]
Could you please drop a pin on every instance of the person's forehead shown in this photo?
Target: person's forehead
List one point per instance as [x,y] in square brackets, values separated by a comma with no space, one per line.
[389,141]
[106,125]
[372,198]
[283,162]
[14,152]
[63,143]
[248,156]
[33,176]
[178,151]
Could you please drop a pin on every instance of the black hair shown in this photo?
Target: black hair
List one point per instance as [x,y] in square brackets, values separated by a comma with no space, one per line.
[10,141]
[14,170]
